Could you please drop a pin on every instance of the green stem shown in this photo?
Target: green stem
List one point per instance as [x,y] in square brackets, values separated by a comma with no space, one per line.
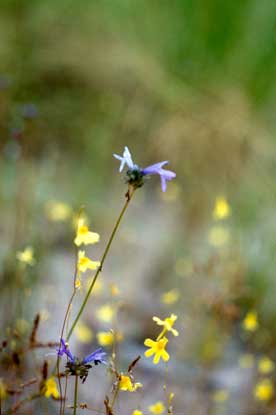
[128,198]
[76,395]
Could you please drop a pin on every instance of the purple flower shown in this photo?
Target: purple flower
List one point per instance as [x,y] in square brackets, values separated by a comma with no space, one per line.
[95,357]
[158,169]
[64,349]
[135,174]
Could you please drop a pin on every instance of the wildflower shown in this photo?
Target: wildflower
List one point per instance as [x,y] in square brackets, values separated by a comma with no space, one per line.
[106,338]
[114,290]
[26,257]
[85,263]
[84,236]
[126,384]
[167,323]
[58,211]
[157,348]
[137,412]
[157,408]
[250,322]
[222,209]
[170,297]
[105,313]
[50,388]
[264,390]
[3,390]
[80,367]
[218,236]
[221,395]
[265,365]
[135,174]
[246,361]
[83,333]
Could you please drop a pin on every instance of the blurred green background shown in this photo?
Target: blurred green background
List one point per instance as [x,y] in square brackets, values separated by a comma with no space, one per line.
[188,81]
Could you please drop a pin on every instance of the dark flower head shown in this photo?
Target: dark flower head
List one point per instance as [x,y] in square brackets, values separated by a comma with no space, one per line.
[135,174]
[76,366]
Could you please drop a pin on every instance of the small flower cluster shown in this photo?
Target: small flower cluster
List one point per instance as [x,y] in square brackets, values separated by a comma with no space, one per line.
[135,175]
[158,347]
[80,367]
[85,237]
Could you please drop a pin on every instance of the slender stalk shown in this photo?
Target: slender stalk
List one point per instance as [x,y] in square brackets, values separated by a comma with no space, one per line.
[76,395]
[128,198]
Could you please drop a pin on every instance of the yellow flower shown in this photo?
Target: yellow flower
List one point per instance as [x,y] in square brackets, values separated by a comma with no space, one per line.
[264,390]
[84,236]
[218,236]
[127,385]
[85,263]
[170,297]
[57,211]
[246,361]
[27,256]
[167,323]
[221,396]
[83,333]
[265,365]
[105,313]
[78,284]
[137,412]
[222,209]
[157,408]
[157,348]
[114,290]
[105,338]
[51,388]
[250,322]
[3,390]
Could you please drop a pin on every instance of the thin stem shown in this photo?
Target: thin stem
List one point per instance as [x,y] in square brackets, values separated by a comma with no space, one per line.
[128,198]
[76,395]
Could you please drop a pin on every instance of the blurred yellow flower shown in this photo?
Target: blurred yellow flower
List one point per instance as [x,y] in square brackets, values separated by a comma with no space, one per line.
[84,236]
[83,333]
[264,390]
[78,284]
[246,361]
[27,256]
[58,211]
[114,290]
[51,388]
[265,365]
[170,297]
[157,348]
[157,408]
[106,338]
[105,313]
[85,263]
[167,323]
[137,412]
[3,390]
[218,236]
[127,385]
[221,395]
[250,322]
[222,209]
